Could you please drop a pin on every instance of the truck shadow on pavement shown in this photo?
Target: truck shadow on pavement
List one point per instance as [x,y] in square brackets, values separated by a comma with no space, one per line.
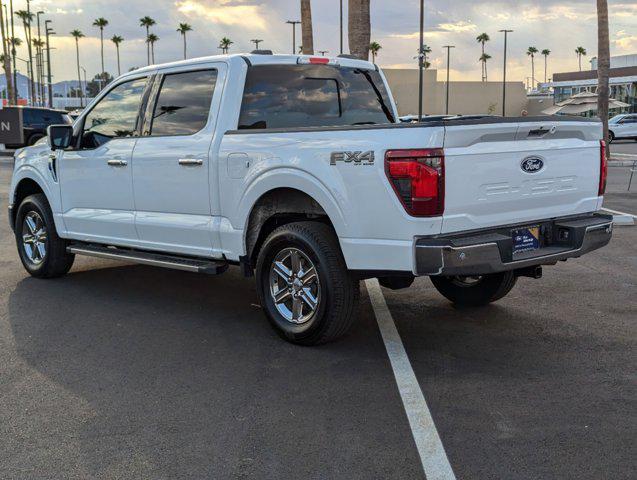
[154,373]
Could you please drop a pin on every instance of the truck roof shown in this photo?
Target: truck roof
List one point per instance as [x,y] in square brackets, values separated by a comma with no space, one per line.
[259,59]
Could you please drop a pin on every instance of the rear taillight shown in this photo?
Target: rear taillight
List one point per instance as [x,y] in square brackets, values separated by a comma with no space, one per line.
[603,168]
[418,178]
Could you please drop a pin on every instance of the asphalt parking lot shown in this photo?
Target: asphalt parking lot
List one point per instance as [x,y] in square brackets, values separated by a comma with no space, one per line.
[124,371]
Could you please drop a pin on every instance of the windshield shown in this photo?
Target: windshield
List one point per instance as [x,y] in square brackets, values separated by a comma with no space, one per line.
[616,118]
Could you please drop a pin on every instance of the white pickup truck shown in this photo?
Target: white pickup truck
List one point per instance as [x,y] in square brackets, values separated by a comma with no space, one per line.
[296,169]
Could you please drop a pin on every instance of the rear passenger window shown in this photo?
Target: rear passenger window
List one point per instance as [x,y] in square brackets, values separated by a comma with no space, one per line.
[183,103]
[290,96]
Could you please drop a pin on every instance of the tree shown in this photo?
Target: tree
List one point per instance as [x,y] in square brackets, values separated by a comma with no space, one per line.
[39,46]
[27,18]
[482,39]
[374,48]
[147,22]
[101,23]
[359,28]
[306,27]
[603,66]
[6,60]
[426,50]
[117,40]
[483,59]
[97,83]
[580,52]
[546,52]
[531,53]
[183,28]
[77,34]
[150,40]
[224,44]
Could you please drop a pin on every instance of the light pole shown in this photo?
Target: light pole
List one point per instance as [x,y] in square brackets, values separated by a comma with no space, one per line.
[294,23]
[85,92]
[256,42]
[29,99]
[49,31]
[504,76]
[421,61]
[448,47]
[13,54]
[341,27]
[40,60]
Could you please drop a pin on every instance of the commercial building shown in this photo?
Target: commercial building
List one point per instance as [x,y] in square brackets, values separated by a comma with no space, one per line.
[465,98]
[623,82]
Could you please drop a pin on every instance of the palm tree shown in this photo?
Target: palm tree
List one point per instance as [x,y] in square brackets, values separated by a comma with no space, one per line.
[150,40]
[27,18]
[77,34]
[374,48]
[359,28]
[39,46]
[580,52]
[117,40]
[147,22]
[603,66]
[482,39]
[225,43]
[483,59]
[101,23]
[426,50]
[306,27]
[6,60]
[531,53]
[183,28]
[546,52]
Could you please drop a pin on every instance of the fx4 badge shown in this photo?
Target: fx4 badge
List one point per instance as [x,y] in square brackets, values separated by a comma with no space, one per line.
[357,158]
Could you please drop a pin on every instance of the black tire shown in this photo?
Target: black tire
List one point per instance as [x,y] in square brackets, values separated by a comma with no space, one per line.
[34,138]
[484,290]
[611,137]
[339,290]
[56,261]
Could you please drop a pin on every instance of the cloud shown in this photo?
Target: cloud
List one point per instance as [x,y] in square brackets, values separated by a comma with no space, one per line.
[625,41]
[224,12]
[458,27]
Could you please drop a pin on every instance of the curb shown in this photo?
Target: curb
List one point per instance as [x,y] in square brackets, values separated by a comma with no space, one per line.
[621,163]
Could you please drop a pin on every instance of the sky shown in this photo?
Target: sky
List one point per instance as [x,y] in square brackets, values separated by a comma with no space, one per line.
[559,25]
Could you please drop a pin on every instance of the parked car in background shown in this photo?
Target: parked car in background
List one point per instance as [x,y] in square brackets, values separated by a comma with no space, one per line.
[623,126]
[35,121]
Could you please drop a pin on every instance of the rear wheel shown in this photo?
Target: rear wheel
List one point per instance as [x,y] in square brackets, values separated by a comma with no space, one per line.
[475,290]
[304,286]
[42,252]
[34,138]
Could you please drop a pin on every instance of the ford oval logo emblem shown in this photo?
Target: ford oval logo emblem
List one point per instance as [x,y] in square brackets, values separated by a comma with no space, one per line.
[532,164]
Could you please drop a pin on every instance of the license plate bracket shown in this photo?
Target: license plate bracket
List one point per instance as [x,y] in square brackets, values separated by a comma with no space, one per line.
[526,239]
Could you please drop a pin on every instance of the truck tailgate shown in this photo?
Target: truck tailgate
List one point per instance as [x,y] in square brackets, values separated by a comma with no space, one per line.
[510,173]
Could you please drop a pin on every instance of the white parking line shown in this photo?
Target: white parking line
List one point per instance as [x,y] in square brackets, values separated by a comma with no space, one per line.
[432,453]
[619,213]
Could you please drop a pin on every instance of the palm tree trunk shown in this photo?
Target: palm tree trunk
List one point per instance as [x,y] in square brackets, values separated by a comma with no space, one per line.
[484,65]
[147,45]
[152,51]
[79,77]
[184,34]
[603,66]
[119,70]
[359,27]
[7,60]
[546,59]
[579,59]
[102,47]
[485,71]
[306,28]
[532,72]
[30,52]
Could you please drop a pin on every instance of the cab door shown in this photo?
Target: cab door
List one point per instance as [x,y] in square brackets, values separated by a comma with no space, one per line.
[96,180]
[172,160]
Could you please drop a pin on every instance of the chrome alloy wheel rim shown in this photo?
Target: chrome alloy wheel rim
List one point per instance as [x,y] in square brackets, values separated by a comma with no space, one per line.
[34,237]
[294,286]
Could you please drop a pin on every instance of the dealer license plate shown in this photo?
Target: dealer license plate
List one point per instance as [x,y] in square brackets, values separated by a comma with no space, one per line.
[525,239]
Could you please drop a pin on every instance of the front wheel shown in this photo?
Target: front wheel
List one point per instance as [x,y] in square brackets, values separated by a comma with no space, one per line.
[611,137]
[303,284]
[475,290]
[42,252]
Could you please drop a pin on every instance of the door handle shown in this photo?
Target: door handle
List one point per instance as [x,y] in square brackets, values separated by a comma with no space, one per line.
[190,162]
[117,163]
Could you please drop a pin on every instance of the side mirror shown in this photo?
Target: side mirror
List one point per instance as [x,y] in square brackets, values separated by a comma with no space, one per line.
[60,136]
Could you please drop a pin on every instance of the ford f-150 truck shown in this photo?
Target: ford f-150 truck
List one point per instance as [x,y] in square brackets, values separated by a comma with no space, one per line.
[296,169]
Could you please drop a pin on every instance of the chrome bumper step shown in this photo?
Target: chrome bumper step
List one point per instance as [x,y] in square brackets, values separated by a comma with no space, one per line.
[188,264]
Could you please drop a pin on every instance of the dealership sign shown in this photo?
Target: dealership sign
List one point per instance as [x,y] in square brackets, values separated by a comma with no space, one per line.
[11,131]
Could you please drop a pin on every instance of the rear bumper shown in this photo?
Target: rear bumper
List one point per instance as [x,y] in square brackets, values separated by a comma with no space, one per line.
[491,251]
